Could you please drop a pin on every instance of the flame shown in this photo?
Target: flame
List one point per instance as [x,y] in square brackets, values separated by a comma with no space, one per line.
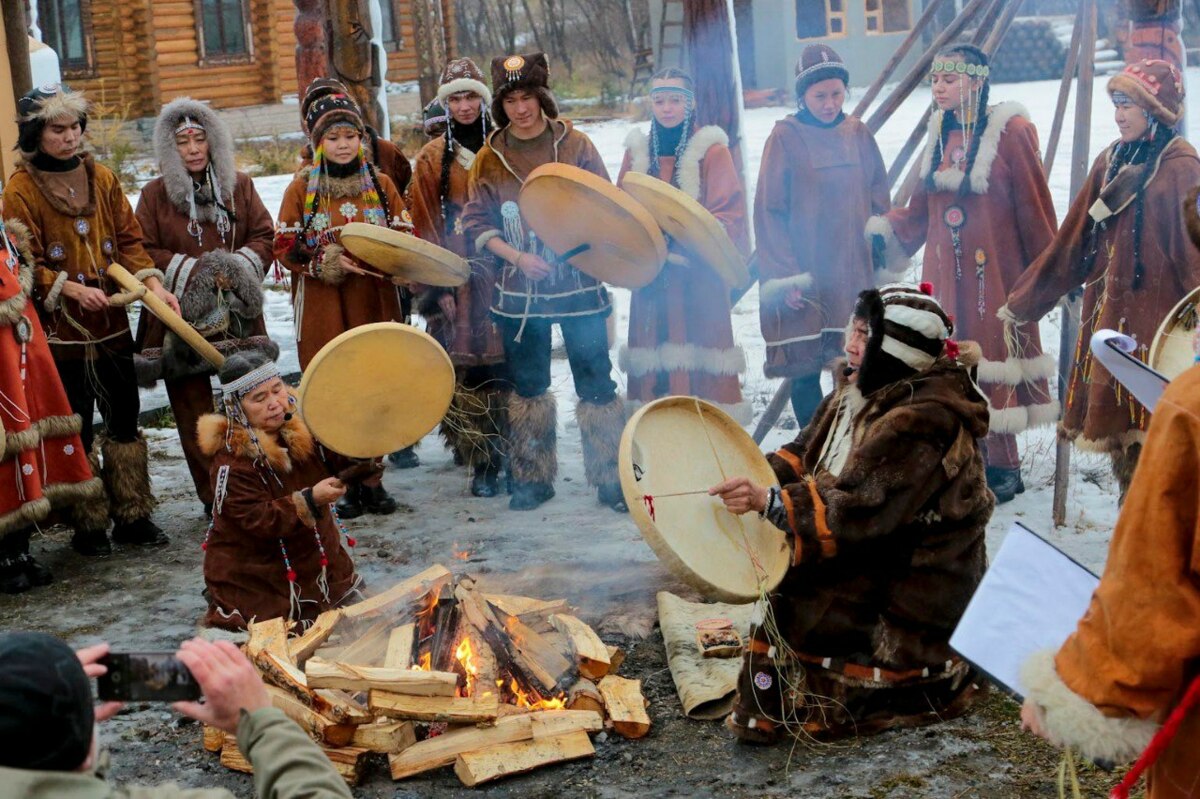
[424,616]
[466,656]
[426,663]
[521,699]
[460,554]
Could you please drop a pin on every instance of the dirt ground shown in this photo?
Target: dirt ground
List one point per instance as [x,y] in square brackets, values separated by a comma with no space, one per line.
[572,548]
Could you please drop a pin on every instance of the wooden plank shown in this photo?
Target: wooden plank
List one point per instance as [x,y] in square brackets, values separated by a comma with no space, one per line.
[268,636]
[315,636]
[400,647]
[485,765]
[385,737]
[443,749]
[318,727]
[591,653]
[370,647]
[625,705]
[214,739]
[347,762]
[403,593]
[454,710]
[348,677]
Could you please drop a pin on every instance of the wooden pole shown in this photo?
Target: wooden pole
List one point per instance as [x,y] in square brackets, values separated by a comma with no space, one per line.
[1064,91]
[918,30]
[8,99]
[17,47]
[914,140]
[1080,148]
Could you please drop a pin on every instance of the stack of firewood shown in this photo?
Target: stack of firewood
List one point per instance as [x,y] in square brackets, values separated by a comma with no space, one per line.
[434,673]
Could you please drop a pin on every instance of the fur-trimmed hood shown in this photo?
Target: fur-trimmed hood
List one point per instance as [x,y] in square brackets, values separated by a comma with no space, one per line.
[295,441]
[998,118]
[13,308]
[176,180]
[688,168]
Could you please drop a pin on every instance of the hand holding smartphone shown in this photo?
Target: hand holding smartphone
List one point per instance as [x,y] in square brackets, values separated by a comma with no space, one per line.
[146,677]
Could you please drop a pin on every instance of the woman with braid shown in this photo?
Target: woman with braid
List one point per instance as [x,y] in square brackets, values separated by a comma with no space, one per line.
[331,293]
[984,213]
[1125,242]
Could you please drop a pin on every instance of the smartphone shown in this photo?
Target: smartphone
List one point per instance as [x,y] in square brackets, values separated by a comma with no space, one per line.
[146,677]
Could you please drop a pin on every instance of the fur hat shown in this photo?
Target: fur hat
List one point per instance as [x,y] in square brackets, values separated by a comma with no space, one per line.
[462,75]
[1155,86]
[332,109]
[819,62]
[320,87]
[220,150]
[530,72]
[908,332]
[45,104]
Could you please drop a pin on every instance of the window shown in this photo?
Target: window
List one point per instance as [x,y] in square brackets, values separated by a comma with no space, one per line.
[393,39]
[223,30]
[887,16]
[816,19]
[67,28]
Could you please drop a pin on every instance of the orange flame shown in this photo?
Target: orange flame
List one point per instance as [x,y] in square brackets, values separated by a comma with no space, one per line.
[426,663]
[460,554]
[466,656]
[521,699]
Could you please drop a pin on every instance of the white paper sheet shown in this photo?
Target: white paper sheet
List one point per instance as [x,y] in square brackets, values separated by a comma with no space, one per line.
[1030,599]
[1112,350]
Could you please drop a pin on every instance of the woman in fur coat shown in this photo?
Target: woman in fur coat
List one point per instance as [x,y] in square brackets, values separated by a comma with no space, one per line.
[886,505]
[984,213]
[206,228]
[680,333]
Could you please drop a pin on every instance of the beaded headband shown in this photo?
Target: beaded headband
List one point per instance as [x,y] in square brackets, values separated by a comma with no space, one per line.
[959,67]
[251,380]
[688,94]
[187,123]
[1121,98]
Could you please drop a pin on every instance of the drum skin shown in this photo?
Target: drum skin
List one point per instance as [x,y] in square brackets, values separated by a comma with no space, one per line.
[1172,352]
[404,255]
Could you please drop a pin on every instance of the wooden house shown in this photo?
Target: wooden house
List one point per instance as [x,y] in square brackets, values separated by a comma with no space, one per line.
[140,54]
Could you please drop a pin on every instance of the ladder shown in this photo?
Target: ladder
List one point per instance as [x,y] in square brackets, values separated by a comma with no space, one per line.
[643,68]
[670,34]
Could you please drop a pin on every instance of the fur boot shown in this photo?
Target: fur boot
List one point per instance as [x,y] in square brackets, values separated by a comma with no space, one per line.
[127,479]
[600,428]
[1124,463]
[91,516]
[533,438]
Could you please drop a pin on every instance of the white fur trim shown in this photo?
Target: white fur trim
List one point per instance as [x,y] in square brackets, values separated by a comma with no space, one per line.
[172,271]
[638,361]
[950,179]
[483,238]
[742,412]
[698,146]
[638,145]
[1070,720]
[52,295]
[1107,445]
[465,85]
[1020,418]
[772,291]
[1014,371]
[897,263]
[911,356]
[145,274]
[927,323]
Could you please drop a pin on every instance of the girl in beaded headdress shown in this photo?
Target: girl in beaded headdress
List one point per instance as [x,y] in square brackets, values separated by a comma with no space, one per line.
[274,545]
[983,212]
[680,334]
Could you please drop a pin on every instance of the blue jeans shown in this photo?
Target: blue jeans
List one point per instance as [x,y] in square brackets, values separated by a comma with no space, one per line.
[586,338]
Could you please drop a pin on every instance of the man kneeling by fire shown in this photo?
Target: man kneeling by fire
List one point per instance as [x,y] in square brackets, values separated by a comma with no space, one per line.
[885,500]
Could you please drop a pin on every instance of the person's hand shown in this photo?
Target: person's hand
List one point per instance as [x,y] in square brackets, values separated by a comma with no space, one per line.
[533,266]
[89,298]
[1032,720]
[90,657]
[349,264]
[794,299]
[740,495]
[1004,314]
[166,297]
[328,490]
[446,303]
[228,680]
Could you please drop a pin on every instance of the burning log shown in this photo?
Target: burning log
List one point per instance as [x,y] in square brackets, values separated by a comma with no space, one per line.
[403,593]
[625,705]
[584,695]
[484,765]
[322,674]
[387,737]
[314,637]
[590,652]
[399,654]
[445,630]
[443,750]
[318,727]
[347,761]
[268,636]
[475,658]
[453,710]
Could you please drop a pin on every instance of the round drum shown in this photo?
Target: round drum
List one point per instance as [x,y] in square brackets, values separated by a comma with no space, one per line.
[667,461]
[376,389]
[691,224]
[569,207]
[1172,352]
[403,255]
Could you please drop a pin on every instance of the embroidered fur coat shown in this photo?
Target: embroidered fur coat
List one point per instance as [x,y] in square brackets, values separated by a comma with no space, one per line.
[258,513]
[680,333]
[1003,222]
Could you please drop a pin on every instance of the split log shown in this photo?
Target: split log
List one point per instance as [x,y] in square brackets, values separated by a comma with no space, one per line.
[485,765]
[342,707]
[453,710]
[591,654]
[314,637]
[535,664]
[584,695]
[370,647]
[625,705]
[399,654]
[334,705]
[322,674]
[318,727]
[214,739]
[616,656]
[445,631]
[403,593]
[389,737]
[442,750]
[487,671]
[533,613]
[346,761]
[268,636]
